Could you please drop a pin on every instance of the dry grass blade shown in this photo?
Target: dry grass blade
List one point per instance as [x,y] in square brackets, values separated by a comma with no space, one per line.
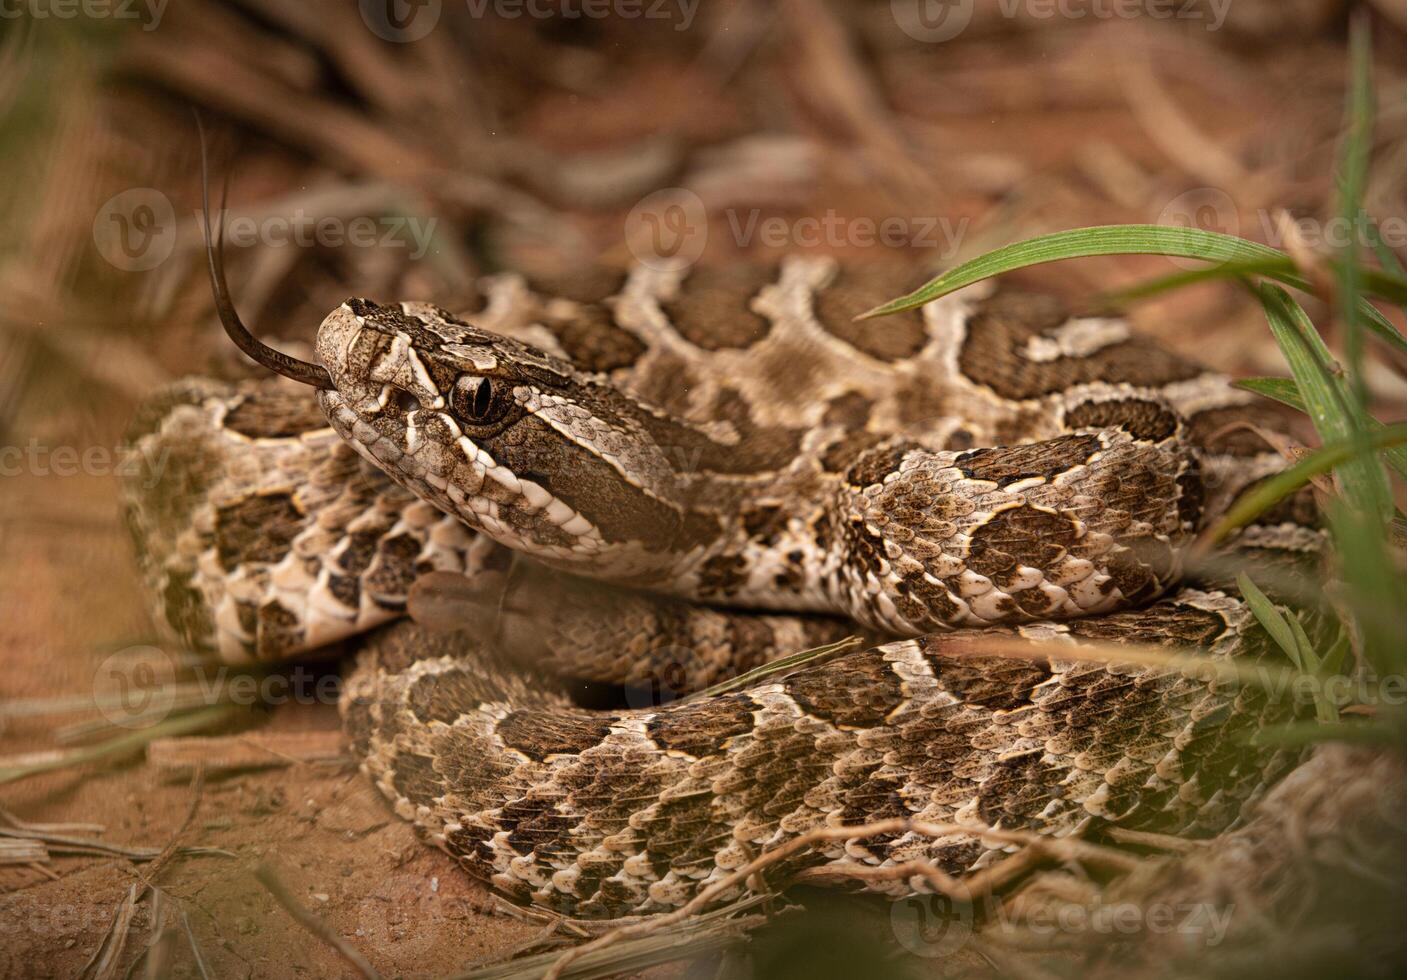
[103,964]
[270,880]
[50,828]
[1037,848]
[22,851]
[65,844]
[195,946]
[710,931]
[24,766]
[179,758]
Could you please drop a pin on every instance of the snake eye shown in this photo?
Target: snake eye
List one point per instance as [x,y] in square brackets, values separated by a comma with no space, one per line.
[479,400]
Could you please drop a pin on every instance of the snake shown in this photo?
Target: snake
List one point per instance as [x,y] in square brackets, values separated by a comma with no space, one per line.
[628,486]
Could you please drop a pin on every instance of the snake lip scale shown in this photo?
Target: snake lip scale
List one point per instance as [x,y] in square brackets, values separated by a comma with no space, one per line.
[667,476]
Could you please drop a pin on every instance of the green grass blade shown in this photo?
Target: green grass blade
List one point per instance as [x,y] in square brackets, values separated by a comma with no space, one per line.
[1270,619]
[1230,255]
[1275,488]
[1373,586]
[1387,258]
[1352,184]
[1284,391]
[1379,731]
[1330,405]
[1247,269]
[1190,243]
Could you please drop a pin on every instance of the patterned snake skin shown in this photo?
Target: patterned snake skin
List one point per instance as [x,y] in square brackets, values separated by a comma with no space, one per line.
[701,472]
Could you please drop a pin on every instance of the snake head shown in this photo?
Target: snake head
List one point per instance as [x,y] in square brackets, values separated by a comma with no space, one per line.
[512,440]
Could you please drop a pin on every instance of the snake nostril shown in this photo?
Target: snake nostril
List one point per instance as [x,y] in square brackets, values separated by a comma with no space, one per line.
[405,401]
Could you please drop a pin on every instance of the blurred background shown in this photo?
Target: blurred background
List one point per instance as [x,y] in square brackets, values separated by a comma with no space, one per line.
[399,149]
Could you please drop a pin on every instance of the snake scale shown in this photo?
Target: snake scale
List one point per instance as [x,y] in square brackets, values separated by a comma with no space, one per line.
[686,473]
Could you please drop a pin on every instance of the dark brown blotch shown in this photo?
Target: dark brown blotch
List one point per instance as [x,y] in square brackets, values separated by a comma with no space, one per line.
[443,697]
[714,307]
[703,728]
[857,691]
[993,352]
[874,465]
[593,341]
[1140,418]
[415,778]
[539,733]
[1020,535]
[258,528]
[1231,428]
[855,291]
[1167,623]
[1046,459]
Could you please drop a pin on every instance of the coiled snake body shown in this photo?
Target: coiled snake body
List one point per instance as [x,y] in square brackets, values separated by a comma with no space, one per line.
[705,470]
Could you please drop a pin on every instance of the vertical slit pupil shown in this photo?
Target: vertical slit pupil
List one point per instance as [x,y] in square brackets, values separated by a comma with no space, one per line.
[483,397]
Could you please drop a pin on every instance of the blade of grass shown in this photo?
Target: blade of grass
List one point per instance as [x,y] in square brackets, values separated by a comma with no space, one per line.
[180,725]
[1244,269]
[1284,391]
[1373,583]
[1226,250]
[1379,731]
[1387,258]
[1271,619]
[1275,488]
[1330,405]
[747,678]
[1324,708]
[1352,182]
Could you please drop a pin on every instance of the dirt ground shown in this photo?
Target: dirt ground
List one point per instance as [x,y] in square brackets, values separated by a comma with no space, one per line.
[555,133]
